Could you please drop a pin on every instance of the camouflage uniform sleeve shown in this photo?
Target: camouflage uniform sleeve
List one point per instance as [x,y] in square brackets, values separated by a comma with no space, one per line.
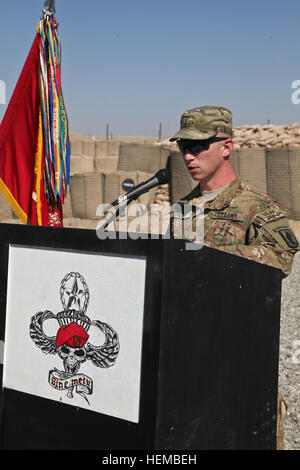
[270,242]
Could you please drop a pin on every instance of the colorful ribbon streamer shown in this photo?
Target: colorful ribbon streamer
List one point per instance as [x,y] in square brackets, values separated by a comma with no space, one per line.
[56,144]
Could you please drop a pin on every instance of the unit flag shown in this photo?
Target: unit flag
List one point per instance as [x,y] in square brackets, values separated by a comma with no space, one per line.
[34,134]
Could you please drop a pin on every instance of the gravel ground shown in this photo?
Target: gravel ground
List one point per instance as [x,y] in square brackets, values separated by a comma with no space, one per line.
[289,359]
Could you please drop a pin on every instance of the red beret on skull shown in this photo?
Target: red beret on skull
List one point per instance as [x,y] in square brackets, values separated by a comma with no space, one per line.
[73,335]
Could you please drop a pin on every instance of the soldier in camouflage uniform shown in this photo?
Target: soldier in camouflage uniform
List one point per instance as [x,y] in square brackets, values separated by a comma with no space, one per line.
[238,218]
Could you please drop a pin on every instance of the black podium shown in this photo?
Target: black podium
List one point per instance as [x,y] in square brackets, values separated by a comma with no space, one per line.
[209,358]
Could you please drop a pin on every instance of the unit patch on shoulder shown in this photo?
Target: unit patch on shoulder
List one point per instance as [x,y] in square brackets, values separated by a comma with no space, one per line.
[269,215]
[288,236]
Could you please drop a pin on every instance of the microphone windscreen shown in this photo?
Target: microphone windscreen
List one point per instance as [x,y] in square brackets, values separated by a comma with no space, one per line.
[163,176]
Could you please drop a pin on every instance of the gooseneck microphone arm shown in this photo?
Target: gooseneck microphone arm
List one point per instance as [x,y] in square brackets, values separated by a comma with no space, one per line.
[161,177]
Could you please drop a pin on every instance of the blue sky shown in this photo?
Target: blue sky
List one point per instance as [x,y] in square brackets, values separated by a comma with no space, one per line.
[136,63]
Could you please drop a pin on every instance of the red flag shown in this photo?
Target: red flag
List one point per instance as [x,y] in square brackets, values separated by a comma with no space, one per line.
[34,136]
[19,139]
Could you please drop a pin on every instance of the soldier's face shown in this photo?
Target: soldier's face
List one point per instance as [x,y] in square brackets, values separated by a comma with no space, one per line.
[203,163]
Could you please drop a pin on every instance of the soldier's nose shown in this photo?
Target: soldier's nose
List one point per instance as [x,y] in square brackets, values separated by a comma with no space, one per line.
[187,156]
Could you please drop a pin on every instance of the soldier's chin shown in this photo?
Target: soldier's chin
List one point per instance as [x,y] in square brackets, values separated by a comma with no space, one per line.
[196,176]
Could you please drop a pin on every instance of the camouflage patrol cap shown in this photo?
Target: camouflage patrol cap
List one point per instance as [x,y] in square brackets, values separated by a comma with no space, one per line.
[203,123]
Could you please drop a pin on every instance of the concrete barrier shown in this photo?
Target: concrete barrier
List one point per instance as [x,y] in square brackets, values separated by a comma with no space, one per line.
[86,194]
[113,185]
[146,158]
[82,165]
[250,165]
[283,178]
[67,207]
[5,210]
[181,183]
[106,164]
[104,148]
[82,145]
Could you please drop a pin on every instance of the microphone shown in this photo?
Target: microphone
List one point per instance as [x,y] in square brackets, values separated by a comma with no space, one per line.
[161,177]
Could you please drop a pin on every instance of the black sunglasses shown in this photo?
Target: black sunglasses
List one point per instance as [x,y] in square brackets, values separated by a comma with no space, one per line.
[196,146]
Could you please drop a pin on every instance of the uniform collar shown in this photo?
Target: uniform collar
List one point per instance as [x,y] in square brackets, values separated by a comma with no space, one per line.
[221,201]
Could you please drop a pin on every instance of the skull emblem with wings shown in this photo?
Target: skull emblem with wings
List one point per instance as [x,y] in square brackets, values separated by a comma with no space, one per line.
[71,341]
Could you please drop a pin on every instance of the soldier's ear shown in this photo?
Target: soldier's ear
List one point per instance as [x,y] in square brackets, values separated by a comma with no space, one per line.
[227,148]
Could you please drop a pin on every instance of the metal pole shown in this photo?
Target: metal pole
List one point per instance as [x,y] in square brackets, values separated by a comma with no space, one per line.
[107,139]
[159,131]
[50,5]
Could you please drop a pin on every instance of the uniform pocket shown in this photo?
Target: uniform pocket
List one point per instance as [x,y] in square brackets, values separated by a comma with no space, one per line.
[225,228]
